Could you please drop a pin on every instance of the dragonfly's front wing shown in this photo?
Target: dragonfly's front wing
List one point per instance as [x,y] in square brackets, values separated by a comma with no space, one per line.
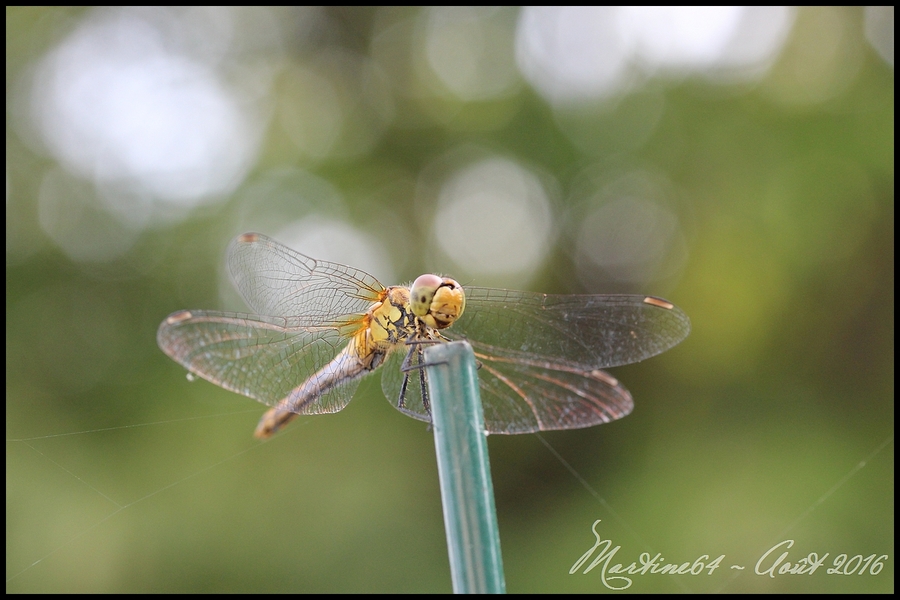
[278,281]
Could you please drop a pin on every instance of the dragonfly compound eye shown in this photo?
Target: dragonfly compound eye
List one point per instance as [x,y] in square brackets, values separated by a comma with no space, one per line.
[437,301]
[422,292]
[447,305]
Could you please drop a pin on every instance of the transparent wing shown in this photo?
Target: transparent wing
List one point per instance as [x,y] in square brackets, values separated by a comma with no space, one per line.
[521,397]
[258,356]
[541,355]
[277,281]
[587,332]
[518,396]
[410,386]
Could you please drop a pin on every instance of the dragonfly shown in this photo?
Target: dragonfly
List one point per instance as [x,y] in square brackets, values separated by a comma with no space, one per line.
[319,327]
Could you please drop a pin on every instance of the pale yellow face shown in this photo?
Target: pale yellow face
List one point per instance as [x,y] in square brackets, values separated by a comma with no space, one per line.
[438,301]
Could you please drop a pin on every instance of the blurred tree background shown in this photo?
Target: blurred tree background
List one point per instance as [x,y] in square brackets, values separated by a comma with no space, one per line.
[739,162]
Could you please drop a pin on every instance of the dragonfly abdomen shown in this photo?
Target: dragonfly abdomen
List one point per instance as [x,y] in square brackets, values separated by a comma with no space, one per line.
[358,358]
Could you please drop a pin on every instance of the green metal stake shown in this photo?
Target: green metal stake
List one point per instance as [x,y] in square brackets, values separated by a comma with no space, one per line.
[470,518]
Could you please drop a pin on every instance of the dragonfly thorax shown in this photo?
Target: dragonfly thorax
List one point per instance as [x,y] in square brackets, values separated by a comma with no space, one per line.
[391,321]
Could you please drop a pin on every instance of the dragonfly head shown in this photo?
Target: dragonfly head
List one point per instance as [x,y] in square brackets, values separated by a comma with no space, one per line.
[438,301]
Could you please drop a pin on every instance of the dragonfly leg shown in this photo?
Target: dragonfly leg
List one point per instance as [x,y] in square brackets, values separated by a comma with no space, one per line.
[407,364]
[415,349]
[405,368]
[416,346]
[402,399]
[422,384]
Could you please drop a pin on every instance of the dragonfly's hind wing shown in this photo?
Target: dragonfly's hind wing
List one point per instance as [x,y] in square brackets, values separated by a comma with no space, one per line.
[264,358]
[406,390]
[521,395]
